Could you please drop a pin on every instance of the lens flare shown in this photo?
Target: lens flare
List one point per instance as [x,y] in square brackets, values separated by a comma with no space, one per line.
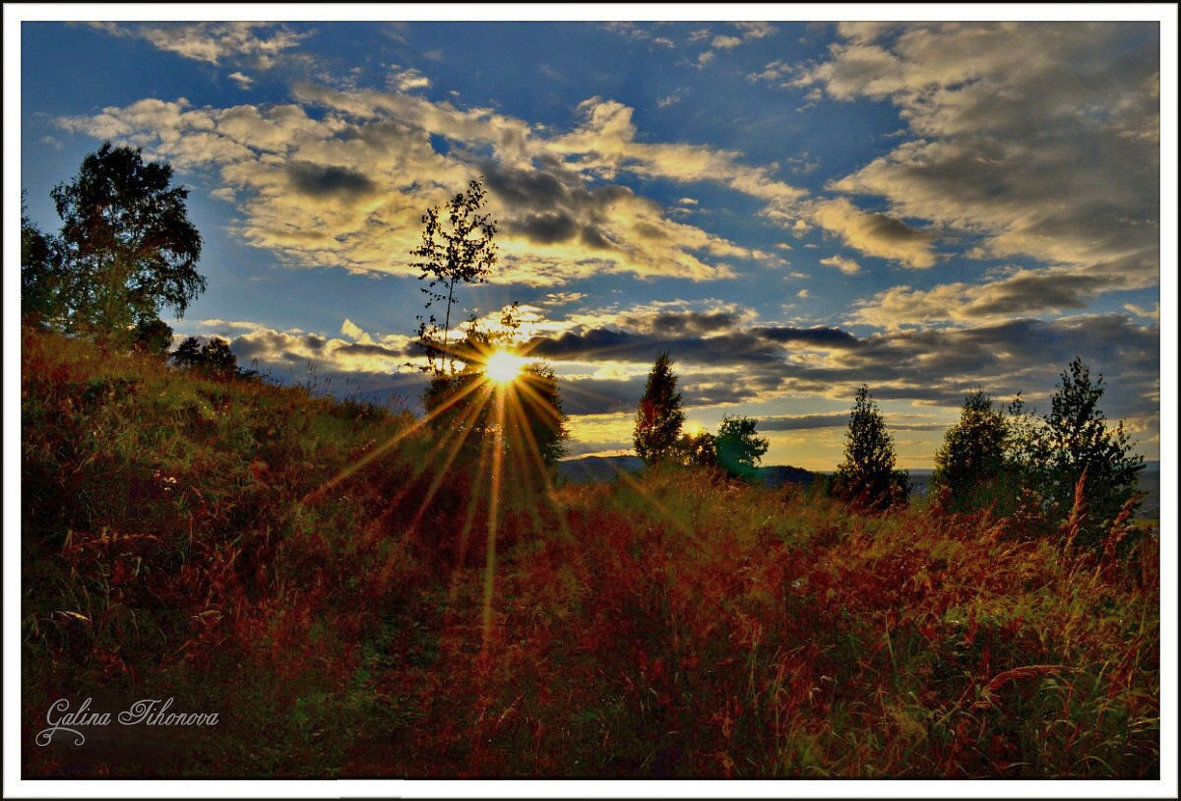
[503,367]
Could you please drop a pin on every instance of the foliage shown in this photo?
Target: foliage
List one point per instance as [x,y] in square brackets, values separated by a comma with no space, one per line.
[126,251]
[739,449]
[867,475]
[456,249]
[659,417]
[43,278]
[1075,445]
[697,450]
[214,356]
[250,549]
[974,461]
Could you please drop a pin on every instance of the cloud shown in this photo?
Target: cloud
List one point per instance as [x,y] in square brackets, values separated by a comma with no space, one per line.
[846,266]
[408,80]
[874,234]
[243,80]
[257,43]
[1020,137]
[1021,292]
[361,160]
[318,180]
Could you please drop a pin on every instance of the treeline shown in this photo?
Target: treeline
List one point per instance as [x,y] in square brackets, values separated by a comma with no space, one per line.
[1068,466]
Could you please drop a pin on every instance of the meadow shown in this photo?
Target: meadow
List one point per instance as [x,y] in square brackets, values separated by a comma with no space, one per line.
[353,600]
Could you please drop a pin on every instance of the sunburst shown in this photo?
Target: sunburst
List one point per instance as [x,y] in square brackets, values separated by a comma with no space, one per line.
[503,367]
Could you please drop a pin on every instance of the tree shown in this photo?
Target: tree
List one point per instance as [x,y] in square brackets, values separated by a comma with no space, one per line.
[659,417]
[541,407]
[456,250]
[42,277]
[975,459]
[867,477]
[739,449]
[697,450]
[127,246]
[214,356]
[1075,444]
[463,402]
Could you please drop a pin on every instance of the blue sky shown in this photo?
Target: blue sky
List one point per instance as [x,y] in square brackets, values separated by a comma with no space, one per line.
[791,209]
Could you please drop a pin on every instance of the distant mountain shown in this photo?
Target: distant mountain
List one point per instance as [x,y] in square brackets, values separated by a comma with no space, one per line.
[778,475]
[594,469]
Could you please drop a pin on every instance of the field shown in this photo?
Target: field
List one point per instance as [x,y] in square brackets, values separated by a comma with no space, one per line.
[309,570]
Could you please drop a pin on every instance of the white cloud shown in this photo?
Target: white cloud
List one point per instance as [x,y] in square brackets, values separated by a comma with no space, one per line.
[846,266]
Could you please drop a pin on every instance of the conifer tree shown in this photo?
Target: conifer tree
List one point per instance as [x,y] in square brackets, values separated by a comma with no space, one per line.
[659,417]
[867,477]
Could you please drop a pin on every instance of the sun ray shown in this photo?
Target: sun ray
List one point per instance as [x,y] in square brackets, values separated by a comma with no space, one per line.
[390,443]
[493,509]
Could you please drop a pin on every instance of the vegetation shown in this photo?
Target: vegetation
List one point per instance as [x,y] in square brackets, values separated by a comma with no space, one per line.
[739,449]
[388,595]
[659,416]
[1076,452]
[976,457]
[319,571]
[457,249]
[126,250]
[867,477]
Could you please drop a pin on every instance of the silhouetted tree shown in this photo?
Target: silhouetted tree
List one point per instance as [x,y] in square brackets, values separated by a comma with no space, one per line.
[1075,443]
[456,249]
[697,450]
[659,417]
[867,476]
[214,356]
[975,459]
[541,405]
[462,403]
[43,281]
[739,449]
[127,248]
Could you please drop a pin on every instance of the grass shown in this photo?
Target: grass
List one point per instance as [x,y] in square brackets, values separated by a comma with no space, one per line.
[214,541]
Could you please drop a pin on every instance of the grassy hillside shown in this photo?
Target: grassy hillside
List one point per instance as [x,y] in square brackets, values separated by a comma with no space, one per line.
[311,571]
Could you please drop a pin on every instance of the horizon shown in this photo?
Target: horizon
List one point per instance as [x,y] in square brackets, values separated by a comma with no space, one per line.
[790,209]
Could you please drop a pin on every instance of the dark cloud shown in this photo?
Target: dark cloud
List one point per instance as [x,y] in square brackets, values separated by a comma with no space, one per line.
[600,396]
[611,344]
[551,205]
[1032,292]
[544,229]
[803,421]
[830,337]
[316,180]
[358,349]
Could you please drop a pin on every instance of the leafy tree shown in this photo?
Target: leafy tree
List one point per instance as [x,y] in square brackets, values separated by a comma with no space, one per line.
[42,277]
[974,460]
[152,336]
[697,450]
[867,476]
[127,247]
[541,405]
[214,356]
[739,449]
[456,249]
[1075,444]
[659,417]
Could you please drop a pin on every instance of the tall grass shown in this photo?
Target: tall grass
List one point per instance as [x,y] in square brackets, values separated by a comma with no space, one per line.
[205,539]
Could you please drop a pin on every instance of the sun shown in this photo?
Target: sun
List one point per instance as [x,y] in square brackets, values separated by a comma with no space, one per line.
[503,367]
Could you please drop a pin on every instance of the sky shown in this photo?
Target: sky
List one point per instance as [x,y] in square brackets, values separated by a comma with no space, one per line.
[790,209]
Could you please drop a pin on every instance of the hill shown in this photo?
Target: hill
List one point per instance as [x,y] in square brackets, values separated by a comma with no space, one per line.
[384,601]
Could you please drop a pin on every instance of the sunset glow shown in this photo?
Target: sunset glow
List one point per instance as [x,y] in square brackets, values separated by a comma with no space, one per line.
[503,367]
